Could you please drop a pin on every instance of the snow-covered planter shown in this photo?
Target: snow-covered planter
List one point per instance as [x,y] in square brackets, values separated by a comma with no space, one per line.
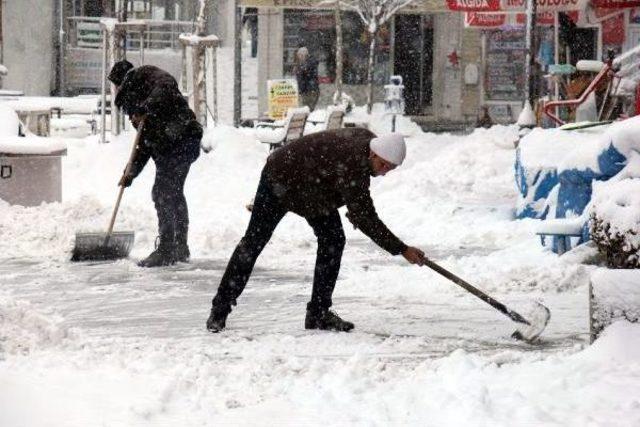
[615,216]
[613,295]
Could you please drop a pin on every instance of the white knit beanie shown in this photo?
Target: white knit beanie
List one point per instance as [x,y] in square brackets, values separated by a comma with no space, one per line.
[390,147]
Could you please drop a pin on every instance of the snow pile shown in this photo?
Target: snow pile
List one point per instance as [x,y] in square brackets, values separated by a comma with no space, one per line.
[579,149]
[616,294]
[159,384]
[616,216]
[23,329]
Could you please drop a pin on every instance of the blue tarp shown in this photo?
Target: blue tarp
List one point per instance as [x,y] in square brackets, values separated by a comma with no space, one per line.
[575,187]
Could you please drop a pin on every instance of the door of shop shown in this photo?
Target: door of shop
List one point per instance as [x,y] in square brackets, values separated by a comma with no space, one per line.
[413,60]
[585,44]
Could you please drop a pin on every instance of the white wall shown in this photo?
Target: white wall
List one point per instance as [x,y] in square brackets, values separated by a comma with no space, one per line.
[28,45]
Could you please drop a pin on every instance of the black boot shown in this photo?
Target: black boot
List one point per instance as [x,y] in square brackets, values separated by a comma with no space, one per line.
[163,255]
[182,253]
[326,320]
[218,318]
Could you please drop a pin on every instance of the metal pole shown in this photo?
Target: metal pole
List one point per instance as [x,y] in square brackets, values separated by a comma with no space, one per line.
[556,57]
[103,109]
[61,79]
[237,68]
[141,47]
[529,46]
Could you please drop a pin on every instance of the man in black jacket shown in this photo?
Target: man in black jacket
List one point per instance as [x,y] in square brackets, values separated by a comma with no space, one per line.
[312,177]
[171,137]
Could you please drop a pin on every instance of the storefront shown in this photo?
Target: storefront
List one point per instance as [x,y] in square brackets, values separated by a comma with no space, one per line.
[424,45]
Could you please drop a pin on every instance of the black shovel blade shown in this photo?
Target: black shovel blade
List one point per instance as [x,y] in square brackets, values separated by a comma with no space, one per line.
[96,246]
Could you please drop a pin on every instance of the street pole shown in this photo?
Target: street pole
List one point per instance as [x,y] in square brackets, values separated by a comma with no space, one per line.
[530,54]
[237,66]
[61,81]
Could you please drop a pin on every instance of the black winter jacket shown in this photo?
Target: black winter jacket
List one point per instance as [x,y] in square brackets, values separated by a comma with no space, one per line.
[170,127]
[323,171]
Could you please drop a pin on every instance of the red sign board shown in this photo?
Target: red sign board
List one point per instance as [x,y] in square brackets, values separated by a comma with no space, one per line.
[484,20]
[613,30]
[545,5]
[544,18]
[615,4]
[474,5]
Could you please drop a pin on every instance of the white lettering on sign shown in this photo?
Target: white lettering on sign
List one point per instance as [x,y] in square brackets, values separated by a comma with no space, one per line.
[476,4]
[546,5]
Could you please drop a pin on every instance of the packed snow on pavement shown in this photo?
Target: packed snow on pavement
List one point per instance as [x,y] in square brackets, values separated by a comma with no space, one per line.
[114,344]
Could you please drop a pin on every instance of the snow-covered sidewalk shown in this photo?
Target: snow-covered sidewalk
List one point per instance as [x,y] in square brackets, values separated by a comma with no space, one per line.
[113,344]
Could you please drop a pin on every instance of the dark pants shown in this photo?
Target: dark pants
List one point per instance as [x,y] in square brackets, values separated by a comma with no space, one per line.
[168,195]
[266,214]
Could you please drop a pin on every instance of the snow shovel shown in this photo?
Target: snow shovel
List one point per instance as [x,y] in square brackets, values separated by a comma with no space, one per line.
[112,244]
[528,330]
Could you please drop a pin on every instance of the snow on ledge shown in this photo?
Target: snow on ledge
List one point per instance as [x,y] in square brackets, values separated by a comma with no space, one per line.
[32,144]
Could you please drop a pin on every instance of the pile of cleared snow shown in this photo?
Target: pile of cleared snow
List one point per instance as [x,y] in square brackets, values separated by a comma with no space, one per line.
[24,329]
[616,216]
[579,149]
[152,383]
[615,295]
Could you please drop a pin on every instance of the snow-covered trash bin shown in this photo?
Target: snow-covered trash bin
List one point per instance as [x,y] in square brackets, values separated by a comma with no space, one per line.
[613,295]
[31,172]
[30,166]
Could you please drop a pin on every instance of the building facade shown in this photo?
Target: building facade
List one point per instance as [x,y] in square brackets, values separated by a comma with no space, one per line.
[427,46]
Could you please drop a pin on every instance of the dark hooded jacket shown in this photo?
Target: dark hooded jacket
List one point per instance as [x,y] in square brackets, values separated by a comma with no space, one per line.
[170,129]
[321,172]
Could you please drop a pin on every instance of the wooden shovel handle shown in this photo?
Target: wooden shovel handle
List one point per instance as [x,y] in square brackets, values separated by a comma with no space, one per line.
[127,169]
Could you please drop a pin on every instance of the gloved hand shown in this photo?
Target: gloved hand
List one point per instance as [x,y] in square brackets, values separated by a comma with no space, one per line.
[414,255]
[136,118]
[125,180]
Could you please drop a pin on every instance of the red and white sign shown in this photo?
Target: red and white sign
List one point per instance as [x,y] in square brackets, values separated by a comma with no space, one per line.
[615,4]
[544,18]
[474,5]
[484,20]
[545,5]
[613,30]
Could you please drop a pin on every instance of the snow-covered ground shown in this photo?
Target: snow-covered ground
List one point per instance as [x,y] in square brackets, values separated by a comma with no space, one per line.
[112,344]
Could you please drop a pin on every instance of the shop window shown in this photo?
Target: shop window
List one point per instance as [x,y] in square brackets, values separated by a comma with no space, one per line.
[316,30]
[505,57]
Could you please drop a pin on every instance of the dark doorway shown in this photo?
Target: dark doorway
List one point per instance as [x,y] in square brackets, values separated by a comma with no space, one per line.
[584,44]
[413,60]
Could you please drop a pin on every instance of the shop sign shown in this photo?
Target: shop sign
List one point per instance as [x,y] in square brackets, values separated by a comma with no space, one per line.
[615,4]
[484,20]
[545,5]
[544,18]
[613,30]
[474,5]
[283,94]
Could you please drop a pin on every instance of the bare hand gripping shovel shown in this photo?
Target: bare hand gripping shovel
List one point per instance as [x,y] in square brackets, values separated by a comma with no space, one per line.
[112,244]
[528,330]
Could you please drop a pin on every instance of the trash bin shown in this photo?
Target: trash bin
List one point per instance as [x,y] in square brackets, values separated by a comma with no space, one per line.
[31,170]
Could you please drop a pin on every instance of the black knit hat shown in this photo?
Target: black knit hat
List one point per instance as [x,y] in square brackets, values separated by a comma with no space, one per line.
[119,70]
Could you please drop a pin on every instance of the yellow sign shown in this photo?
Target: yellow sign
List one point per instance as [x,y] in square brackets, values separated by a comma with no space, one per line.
[283,94]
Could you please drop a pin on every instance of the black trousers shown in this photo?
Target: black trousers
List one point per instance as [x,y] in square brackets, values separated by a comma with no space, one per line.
[266,214]
[168,196]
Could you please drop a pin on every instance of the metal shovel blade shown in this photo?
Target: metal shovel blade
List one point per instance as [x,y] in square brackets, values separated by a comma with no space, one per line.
[99,247]
[538,317]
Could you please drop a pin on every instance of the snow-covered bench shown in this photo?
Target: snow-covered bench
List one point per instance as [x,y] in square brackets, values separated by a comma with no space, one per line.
[281,132]
[562,230]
